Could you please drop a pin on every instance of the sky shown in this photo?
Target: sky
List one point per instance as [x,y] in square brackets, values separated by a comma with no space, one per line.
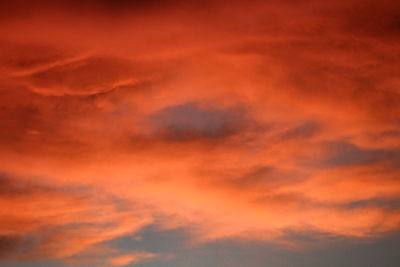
[199,133]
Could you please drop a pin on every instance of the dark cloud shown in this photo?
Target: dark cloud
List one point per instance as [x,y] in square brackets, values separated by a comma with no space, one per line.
[8,244]
[381,202]
[305,130]
[25,8]
[374,19]
[190,121]
[265,178]
[347,154]
[13,187]
[25,57]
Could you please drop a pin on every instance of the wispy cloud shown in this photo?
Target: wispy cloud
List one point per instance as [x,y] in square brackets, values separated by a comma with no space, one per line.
[119,114]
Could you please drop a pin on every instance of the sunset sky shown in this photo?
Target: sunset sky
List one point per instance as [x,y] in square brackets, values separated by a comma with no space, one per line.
[199,133]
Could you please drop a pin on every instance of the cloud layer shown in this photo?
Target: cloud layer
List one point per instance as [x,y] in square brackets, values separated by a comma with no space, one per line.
[233,121]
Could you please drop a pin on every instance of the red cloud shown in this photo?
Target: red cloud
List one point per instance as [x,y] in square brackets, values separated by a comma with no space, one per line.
[285,118]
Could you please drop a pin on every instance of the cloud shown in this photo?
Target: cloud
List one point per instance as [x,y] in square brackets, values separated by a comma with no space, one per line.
[345,154]
[131,258]
[189,121]
[114,116]
[41,221]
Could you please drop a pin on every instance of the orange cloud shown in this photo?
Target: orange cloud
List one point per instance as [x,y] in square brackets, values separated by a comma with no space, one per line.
[126,259]
[285,118]
[41,222]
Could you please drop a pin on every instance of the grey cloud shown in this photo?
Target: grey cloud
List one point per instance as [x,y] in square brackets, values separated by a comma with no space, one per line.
[190,121]
[381,202]
[8,244]
[347,154]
